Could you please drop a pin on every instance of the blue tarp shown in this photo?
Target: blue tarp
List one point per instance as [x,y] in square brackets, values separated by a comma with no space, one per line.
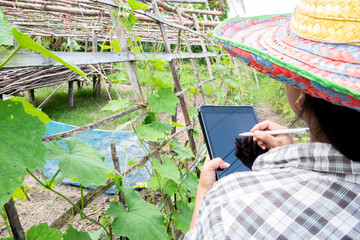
[127,146]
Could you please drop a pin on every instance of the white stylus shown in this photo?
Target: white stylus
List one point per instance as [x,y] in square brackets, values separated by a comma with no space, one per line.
[276,132]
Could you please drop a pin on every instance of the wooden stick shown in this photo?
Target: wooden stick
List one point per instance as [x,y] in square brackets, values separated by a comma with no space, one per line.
[47,99]
[88,127]
[14,220]
[176,80]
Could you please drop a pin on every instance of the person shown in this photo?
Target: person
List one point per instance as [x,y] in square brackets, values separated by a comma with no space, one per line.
[295,191]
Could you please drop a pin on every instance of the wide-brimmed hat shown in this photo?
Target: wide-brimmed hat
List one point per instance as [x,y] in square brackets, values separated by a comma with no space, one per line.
[317,48]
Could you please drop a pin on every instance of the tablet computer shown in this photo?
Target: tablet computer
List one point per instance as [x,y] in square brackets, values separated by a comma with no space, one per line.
[221,126]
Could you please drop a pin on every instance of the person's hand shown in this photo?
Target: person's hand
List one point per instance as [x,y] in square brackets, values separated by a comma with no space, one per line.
[266,140]
[208,173]
[206,182]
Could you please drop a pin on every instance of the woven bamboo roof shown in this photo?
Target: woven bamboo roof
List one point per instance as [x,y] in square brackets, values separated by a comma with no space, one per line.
[79,19]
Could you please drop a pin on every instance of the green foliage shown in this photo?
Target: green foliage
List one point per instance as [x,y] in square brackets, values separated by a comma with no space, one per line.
[82,161]
[182,151]
[30,109]
[21,146]
[140,221]
[182,217]
[43,232]
[189,184]
[73,234]
[168,169]
[165,101]
[117,105]
[153,131]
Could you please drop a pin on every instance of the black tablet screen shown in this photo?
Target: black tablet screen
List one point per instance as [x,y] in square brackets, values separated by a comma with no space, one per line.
[222,125]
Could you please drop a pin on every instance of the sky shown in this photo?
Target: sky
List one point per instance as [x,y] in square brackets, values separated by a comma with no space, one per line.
[266,7]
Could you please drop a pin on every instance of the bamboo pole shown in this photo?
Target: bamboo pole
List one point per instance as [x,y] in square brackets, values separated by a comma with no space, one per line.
[207,60]
[176,80]
[196,72]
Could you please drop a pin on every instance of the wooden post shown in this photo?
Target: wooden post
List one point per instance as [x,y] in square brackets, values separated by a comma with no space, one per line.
[120,34]
[86,44]
[1,97]
[96,78]
[32,95]
[196,72]
[71,94]
[176,79]
[14,220]
[207,60]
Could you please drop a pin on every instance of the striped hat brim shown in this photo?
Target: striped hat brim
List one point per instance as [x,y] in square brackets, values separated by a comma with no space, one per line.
[266,43]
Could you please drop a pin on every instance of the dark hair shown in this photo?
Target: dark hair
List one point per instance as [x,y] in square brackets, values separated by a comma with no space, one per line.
[340,124]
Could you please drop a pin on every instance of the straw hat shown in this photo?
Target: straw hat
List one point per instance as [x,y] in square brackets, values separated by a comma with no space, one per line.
[316,49]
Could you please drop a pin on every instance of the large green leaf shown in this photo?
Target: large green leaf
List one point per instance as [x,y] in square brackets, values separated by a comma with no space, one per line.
[25,41]
[167,169]
[6,37]
[21,146]
[181,150]
[43,232]
[73,234]
[182,217]
[165,102]
[154,130]
[141,221]
[30,109]
[82,161]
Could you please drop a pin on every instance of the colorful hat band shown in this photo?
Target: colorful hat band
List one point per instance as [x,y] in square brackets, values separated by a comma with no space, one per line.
[286,76]
[328,71]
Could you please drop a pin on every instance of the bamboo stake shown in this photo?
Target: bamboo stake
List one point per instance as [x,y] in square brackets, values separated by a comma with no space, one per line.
[176,79]
[196,72]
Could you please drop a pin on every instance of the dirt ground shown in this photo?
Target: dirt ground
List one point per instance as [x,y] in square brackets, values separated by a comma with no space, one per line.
[45,206]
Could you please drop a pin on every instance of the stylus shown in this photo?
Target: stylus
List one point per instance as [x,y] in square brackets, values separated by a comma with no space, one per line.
[275,132]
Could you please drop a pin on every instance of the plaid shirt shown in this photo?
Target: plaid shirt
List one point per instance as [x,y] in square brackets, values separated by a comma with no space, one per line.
[302,191]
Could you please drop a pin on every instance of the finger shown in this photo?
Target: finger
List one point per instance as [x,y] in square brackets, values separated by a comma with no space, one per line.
[261,126]
[217,163]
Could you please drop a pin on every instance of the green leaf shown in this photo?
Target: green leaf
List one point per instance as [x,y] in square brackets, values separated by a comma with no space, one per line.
[189,184]
[141,221]
[19,192]
[82,161]
[166,184]
[43,232]
[192,111]
[30,109]
[116,45]
[6,37]
[159,83]
[117,105]
[135,5]
[73,234]
[157,60]
[124,125]
[175,124]
[25,41]
[167,169]
[21,146]
[182,219]
[181,150]
[159,66]
[138,39]
[153,131]
[165,101]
